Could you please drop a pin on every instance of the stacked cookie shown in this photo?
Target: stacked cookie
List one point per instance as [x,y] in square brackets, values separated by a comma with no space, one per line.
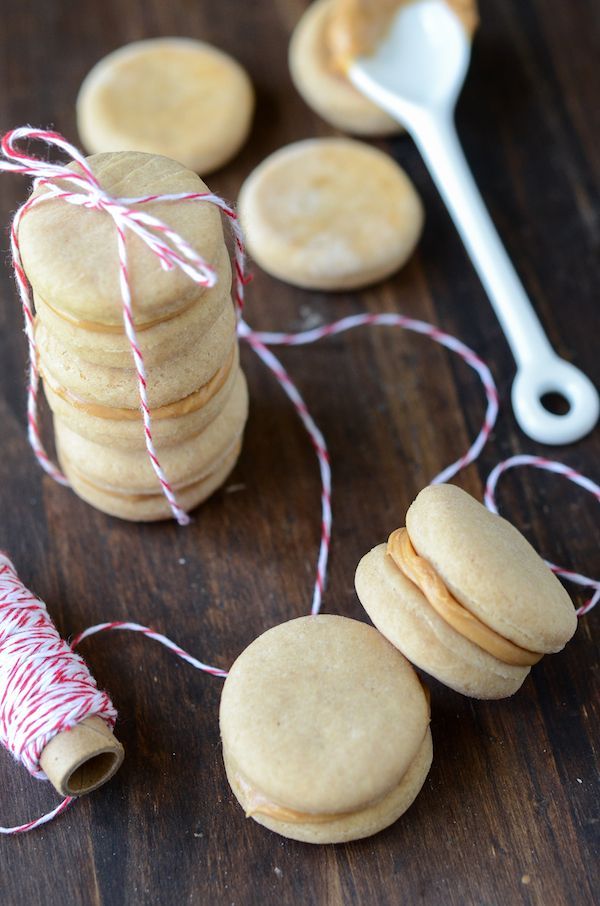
[187,335]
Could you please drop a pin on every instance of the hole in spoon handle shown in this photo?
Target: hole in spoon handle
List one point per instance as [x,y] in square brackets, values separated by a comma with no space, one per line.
[554,375]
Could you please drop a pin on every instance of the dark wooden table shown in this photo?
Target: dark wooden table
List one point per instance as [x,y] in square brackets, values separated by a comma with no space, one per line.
[510,811]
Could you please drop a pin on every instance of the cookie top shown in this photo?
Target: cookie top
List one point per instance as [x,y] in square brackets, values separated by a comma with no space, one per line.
[491,569]
[173,96]
[322,714]
[330,213]
[70,252]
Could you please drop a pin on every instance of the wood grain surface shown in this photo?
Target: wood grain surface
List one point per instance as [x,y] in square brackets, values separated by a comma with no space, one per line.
[510,811]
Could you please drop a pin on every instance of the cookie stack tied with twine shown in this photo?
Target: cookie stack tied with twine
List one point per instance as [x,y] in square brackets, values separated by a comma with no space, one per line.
[181,361]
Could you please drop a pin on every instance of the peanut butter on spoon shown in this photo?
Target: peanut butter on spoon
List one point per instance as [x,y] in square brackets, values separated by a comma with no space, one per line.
[356,27]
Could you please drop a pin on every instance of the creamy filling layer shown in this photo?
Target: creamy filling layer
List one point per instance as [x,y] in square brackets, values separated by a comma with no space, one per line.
[191,403]
[100,327]
[356,27]
[422,574]
[257,804]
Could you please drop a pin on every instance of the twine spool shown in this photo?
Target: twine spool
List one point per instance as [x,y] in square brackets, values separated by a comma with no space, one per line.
[53,717]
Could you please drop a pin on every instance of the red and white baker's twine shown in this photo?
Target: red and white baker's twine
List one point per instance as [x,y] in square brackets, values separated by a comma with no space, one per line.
[45,687]
[259,342]
[549,465]
[34,651]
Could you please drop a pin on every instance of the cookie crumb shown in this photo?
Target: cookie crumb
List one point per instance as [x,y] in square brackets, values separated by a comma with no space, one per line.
[526,879]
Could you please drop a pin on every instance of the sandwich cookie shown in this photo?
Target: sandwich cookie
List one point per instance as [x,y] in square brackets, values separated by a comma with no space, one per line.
[168,380]
[150,507]
[70,254]
[330,214]
[173,96]
[325,730]
[161,339]
[185,332]
[131,471]
[463,595]
[323,86]
[123,428]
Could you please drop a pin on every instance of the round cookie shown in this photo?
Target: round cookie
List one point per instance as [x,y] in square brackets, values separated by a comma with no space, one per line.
[166,338]
[325,89]
[172,96]
[151,507]
[168,380]
[325,730]
[70,253]
[123,428]
[330,214]
[131,472]
[464,596]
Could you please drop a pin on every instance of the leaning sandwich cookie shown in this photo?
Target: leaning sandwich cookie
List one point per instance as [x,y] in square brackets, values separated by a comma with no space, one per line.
[463,595]
[325,730]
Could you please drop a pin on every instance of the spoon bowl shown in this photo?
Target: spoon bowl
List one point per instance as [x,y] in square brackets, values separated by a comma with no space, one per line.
[424,57]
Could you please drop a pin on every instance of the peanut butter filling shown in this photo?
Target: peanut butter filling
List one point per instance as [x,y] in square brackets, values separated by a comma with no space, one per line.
[356,27]
[257,804]
[185,406]
[99,327]
[424,576]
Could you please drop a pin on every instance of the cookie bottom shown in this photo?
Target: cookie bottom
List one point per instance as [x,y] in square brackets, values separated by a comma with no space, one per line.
[355,825]
[403,615]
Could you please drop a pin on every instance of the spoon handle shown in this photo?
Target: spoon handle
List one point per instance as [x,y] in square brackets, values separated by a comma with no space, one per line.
[539,369]
[436,138]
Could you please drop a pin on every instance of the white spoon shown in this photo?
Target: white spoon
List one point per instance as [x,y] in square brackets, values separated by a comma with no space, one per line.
[416,75]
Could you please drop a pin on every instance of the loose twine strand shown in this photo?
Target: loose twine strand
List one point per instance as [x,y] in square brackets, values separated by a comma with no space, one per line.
[44,686]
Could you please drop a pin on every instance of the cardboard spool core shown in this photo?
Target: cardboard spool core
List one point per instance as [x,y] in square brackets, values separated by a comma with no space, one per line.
[80,760]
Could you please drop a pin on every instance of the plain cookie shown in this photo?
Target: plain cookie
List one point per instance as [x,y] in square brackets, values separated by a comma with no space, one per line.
[171,96]
[330,214]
